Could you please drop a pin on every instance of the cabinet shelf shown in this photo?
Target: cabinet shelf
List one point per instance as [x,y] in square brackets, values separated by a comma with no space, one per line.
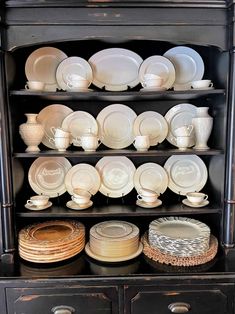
[119,152]
[119,96]
[120,210]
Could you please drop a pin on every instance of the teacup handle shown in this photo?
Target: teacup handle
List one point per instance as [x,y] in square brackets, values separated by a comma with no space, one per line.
[26,86]
[53,130]
[99,142]
[205,197]
[139,197]
[29,202]
[211,84]
[51,140]
[190,128]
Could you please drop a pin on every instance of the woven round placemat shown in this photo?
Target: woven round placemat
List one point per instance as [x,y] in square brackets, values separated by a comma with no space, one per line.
[157,255]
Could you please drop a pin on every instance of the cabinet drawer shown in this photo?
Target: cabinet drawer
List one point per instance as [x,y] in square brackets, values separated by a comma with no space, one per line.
[88,300]
[184,300]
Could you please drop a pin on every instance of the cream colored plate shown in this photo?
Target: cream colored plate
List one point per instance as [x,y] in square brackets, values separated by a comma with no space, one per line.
[116,126]
[41,65]
[187,173]
[117,175]
[46,175]
[153,124]
[75,206]
[148,205]
[110,258]
[83,176]
[151,176]
[33,207]
[52,116]
[187,203]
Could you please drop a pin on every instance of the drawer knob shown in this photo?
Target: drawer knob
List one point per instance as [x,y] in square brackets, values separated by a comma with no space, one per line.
[62,309]
[179,307]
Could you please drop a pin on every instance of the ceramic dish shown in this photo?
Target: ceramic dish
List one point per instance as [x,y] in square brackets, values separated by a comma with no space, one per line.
[116,126]
[79,123]
[41,66]
[153,124]
[115,69]
[153,89]
[75,206]
[72,66]
[52,116]
[186,173]
[151,176]
[148,205]
[116,176]
[202,204]
[33,207]
[188,64]
[46,175]
[160,66]
[177,116]
[110,258]
[83,176]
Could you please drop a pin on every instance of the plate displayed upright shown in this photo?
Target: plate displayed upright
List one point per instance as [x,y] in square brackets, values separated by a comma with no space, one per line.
[115,69]
[153,124]
[188,64]
[116,126]
[46,175]
[151,176]
[83,176]
[41,65]
[72,66]
[186,173]
[160,66]
[79,123]
[52,116]
[177,116]
[117,175]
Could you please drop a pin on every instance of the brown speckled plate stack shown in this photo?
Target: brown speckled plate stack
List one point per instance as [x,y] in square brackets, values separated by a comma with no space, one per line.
[51,241]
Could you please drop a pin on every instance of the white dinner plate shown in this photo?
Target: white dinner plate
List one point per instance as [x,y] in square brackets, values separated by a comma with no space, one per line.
[72,66]
[186,173]
[188,64]
[46,175]
[79,123]
[115,69]
[116,126]
[41,65]
[83,176]
[177,116]
[160,66]
[52,116]
[153,124]
[151,176]
[117,175]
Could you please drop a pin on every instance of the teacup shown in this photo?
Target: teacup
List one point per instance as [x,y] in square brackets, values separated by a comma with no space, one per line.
[182,142]
[201,84]
[147,196]
[61,143]
[76,82]
[81,196]
[59,132]
[35,85]
[184,130]
[90,142]
[38,200]
[141,142]
[196,197]
[152,80]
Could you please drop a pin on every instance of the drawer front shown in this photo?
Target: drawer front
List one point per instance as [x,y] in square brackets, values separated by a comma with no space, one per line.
[89,300]
[187,300]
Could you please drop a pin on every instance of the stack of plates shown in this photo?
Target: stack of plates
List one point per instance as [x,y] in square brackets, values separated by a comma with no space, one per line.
[179,236]
[114,241]
[51,241]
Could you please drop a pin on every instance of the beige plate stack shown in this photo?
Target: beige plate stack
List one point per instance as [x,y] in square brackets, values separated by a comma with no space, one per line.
[51,241]
[114,241]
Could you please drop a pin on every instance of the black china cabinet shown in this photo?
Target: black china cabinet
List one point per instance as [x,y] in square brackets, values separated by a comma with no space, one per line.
[138,286]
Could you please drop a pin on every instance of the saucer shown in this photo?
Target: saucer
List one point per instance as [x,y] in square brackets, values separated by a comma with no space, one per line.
[187,203]
[148,205]
[73,205]
[80,90]
[152,89]
[203,88]
[33,207]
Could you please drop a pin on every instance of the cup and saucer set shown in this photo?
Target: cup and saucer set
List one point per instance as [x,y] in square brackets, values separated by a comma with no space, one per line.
[148,199]
[80,199]
[196,199]
[38,202]
[152,82]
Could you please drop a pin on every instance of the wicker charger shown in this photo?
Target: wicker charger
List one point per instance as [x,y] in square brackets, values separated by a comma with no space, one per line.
[163,258]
